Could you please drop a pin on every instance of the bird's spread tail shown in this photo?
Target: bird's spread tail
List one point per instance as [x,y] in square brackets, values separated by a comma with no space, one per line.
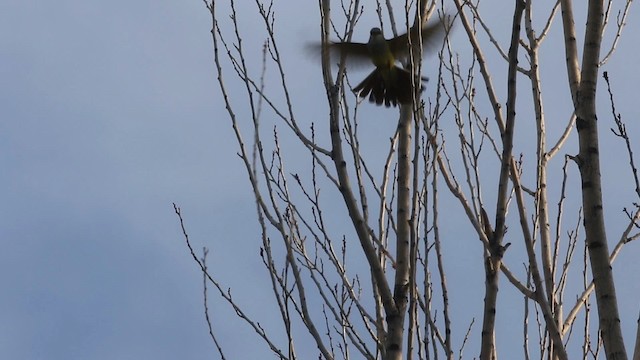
[395,89]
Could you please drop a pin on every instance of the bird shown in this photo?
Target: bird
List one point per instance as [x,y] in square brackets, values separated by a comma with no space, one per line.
[388,83]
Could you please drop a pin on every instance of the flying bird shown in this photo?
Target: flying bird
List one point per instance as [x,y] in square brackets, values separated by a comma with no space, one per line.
[388,83]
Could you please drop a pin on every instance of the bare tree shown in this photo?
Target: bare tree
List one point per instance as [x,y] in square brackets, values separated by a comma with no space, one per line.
[387,296]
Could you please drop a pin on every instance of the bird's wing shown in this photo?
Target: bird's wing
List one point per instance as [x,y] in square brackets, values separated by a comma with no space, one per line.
[431,35]
[355,53]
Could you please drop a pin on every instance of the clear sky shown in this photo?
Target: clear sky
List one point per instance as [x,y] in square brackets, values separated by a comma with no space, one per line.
[109,113]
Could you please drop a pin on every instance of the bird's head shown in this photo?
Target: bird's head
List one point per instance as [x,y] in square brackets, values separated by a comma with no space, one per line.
[375,32]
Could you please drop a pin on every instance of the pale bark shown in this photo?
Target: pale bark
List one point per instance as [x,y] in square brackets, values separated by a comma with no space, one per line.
[496,249]
[588,160]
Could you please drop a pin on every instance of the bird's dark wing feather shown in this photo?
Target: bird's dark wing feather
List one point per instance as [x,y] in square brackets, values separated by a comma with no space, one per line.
[432,34]
[356,54]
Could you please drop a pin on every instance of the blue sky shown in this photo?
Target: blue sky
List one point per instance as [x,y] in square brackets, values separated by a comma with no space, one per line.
[107,119]
[110,113]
